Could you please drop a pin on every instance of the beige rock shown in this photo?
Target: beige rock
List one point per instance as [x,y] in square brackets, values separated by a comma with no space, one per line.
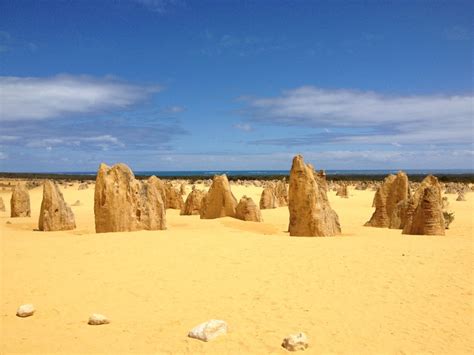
[393,190]
[268,199]
[310,211]
[281,193]
[20,202]
[193,202]
[55,214]
[219,200]
[2,205]
[342,191]
[461,197]
[295,342]
[424,215]
[98,319]
[182,189]
[77,203]
[174,199]
[209,330]
[247,210]
[122,203]
[83,186]
[25,310]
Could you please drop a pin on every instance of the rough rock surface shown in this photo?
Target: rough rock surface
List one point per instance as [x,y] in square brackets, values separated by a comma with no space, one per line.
[281,193]
[398,217]
[174,199]
[122,203]
[310,212]
[55,214]
[98,319]
[2,205]
[83,186]
[424,215]
[342,191]
[247,210]
[25,310]
[20,202]
[208,330]
[219,200]
[295,342]
[461,197]
[393,190]
[268,199]
[192,205]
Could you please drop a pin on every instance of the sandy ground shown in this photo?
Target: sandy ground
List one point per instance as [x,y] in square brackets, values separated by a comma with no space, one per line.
[370,291]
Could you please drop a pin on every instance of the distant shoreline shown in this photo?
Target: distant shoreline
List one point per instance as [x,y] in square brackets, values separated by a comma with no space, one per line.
[455,175]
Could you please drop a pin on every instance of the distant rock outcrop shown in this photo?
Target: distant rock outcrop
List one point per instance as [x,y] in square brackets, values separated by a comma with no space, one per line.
[55,214]
[342,191]
[173,197]
[268,199]
[424,215]
[281,193]
[2,205]
[247,210]
[310,212]
[20,202]
[83,186]
[193,202]
[219,200]
[122,203]
[393,190]
[461,197]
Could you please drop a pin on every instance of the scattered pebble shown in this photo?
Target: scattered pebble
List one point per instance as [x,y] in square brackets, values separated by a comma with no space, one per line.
[295,342]
[98,319]
[25,310]
[208,330]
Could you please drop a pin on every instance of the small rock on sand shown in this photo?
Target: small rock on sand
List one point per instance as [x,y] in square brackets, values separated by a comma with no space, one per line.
[295,342]
[98,319]
[25,310]
[208,330]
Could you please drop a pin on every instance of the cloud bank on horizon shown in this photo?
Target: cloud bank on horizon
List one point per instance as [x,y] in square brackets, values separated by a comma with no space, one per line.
[176,107]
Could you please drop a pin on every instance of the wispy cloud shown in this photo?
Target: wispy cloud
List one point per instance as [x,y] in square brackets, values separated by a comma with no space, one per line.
[243,127]
[33,98]
[458,33]
[367,117]
[160,6]
[239,44]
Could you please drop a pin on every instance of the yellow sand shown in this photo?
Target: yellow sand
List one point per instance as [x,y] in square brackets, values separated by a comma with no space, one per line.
[370,291]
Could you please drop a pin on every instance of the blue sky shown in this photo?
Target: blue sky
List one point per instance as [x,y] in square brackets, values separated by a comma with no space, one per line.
[197,85]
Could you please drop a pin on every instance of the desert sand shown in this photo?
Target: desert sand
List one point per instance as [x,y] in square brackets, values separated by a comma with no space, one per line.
[370,290]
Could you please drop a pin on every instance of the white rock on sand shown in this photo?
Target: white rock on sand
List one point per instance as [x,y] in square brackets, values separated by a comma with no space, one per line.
[295,342]
[98,319]
[208,330]
[25,310]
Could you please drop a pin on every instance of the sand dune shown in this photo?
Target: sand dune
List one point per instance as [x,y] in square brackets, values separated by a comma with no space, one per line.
[369,291]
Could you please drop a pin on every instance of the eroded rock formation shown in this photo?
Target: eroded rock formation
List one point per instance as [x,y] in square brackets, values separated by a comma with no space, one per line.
[424,215]
[310,211]
[193,202]
[393,190]
[122,203]
[219,200]
[20,202]
[247,210]
[268,199]
[55,214]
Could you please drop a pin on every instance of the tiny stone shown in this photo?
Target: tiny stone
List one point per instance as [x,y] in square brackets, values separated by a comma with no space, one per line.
[295,342]
[208,330]
[98,319]
[25,310]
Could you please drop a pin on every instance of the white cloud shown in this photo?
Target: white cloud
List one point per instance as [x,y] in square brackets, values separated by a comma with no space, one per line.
[243,127]
[400,119]
[33,98]
[3,156]
[103,141]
